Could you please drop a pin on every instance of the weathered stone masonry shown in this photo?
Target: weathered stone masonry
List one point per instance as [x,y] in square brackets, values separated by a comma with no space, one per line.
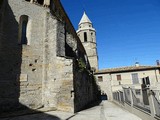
[46,70]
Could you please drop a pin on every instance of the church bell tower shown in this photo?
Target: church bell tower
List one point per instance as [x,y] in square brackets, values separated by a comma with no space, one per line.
[87,35]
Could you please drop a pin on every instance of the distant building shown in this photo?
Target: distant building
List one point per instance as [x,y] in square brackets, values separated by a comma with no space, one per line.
[114,79]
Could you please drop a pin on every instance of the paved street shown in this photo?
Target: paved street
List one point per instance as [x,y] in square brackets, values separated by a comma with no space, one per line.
[105,111]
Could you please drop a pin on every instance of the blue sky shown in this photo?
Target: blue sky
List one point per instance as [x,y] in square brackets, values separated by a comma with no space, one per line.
[127,30]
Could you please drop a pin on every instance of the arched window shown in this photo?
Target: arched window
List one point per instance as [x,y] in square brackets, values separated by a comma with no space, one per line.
[85,36]
[23,29]
[40,2]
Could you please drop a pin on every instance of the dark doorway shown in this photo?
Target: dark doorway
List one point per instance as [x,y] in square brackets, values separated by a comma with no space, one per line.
[40,1]
[104,96]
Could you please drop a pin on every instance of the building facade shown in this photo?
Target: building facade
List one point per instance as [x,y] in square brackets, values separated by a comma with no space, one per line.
[111,80]
[87,35]
[43,62]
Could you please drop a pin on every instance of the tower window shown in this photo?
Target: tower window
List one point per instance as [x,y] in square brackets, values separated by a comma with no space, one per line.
[23,29]
[85,36]
[40,2]
[28,0]
[92,37]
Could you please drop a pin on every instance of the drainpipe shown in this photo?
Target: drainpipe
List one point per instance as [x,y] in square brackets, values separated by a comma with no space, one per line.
[111,86]
[156,76]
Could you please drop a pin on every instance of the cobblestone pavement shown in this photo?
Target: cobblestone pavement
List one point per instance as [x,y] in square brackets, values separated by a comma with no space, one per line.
[105,111]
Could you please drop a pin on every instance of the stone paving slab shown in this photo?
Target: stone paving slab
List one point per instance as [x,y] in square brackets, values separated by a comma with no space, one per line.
[114,112]
[105,111]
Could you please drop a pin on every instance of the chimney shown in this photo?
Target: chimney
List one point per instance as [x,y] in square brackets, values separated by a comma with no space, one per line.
[157,61]
[137,64]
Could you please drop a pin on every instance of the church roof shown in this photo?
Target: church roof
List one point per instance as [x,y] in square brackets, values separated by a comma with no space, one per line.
[84,19]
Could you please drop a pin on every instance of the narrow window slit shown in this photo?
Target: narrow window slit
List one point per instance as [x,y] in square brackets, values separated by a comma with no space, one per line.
[23,29]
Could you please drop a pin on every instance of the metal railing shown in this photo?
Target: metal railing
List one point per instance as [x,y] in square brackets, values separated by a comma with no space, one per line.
[146,100]
[157,94]
[139,100]
[127,95]
[156,99]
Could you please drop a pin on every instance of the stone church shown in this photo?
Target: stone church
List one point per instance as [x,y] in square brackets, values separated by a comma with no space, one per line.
[43,63]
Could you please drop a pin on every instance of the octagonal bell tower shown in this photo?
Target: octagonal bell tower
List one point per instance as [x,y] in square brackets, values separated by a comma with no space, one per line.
[87,35]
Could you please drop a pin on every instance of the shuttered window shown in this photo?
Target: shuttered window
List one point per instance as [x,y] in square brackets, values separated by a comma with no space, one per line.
[135,78]
[119,77]
[100,78]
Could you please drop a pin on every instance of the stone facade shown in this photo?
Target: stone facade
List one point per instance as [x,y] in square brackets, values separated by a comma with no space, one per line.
[111,80]
[43,63]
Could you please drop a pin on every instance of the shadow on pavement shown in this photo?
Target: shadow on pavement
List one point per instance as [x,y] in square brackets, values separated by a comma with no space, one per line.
[36,116]
[93,104]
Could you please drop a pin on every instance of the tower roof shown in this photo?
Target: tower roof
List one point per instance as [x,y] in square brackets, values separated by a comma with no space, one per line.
[84,19]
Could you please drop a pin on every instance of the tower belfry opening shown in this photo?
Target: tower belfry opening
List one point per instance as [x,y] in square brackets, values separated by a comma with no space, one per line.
[85,36]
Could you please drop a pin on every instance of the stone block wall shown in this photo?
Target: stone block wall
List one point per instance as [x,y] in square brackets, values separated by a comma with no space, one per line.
[32,59]
[43,72]
[10,59]
[92,54]
[86,89]
[22,65]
